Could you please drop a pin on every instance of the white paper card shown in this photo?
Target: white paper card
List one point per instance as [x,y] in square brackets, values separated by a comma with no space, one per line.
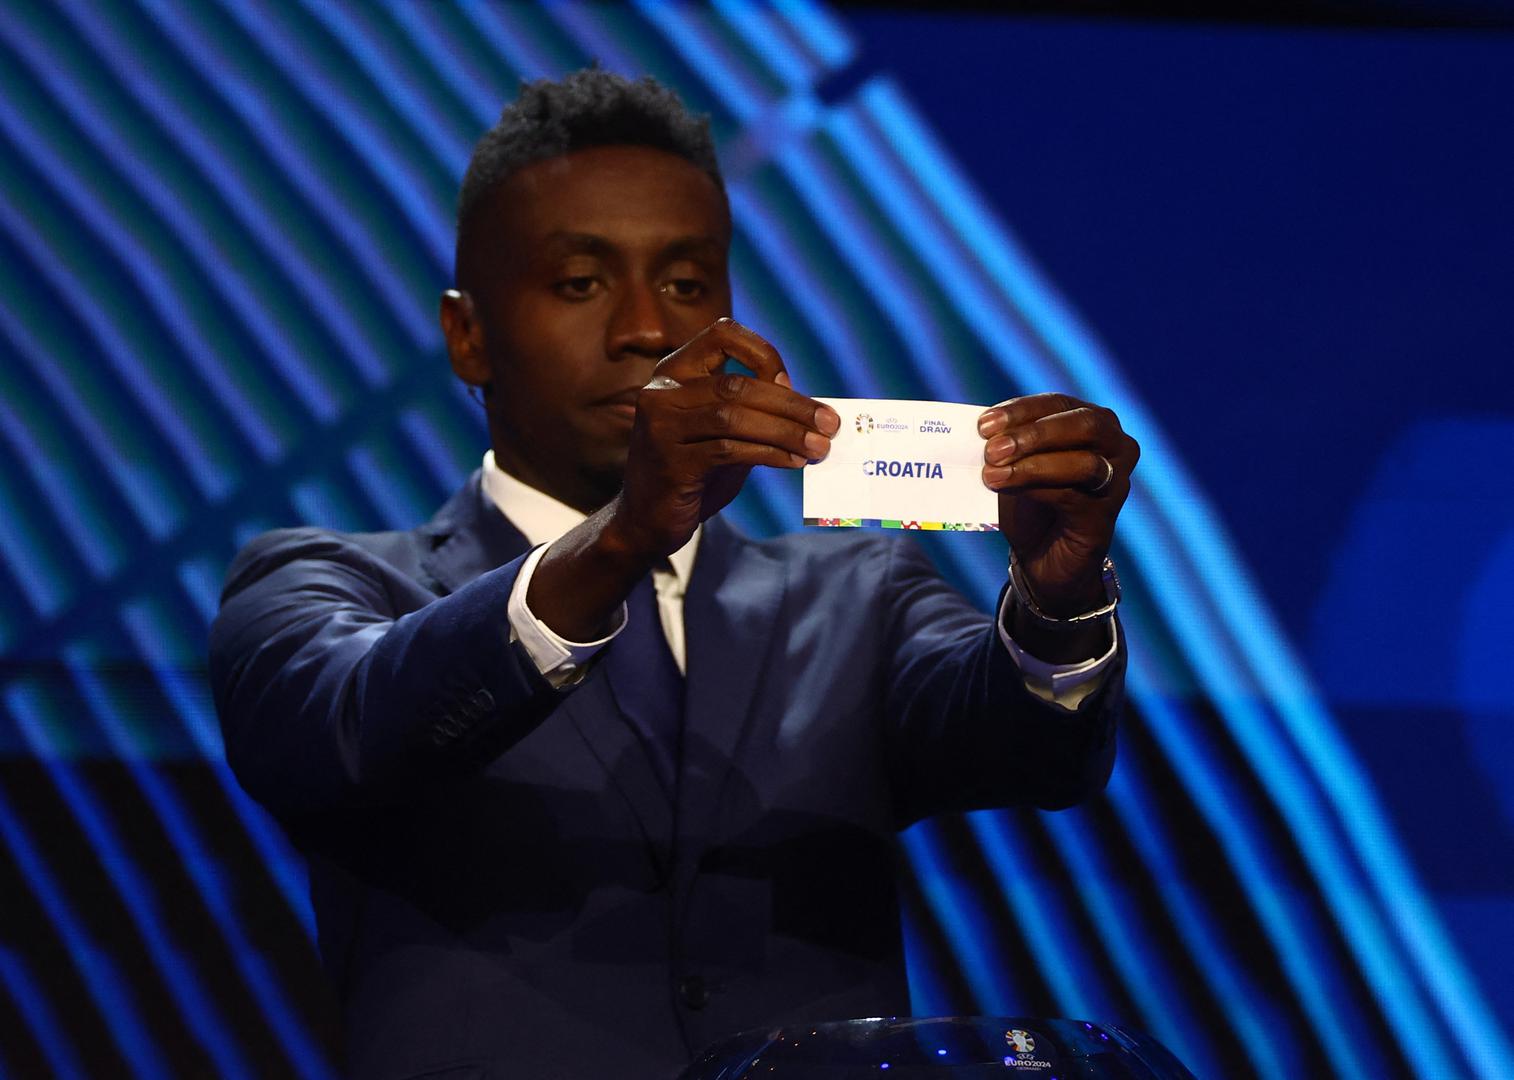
[902,465]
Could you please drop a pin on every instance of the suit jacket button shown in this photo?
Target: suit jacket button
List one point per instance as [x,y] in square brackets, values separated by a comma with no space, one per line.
[693,991]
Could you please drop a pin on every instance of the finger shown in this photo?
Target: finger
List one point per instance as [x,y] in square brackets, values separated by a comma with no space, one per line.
[727,421]
[1022,410]
[1072,470]
[1086,428]
[745,392]
[707,350]
[718,453]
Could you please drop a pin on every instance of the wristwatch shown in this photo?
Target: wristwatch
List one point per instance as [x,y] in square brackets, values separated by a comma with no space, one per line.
[1023,598]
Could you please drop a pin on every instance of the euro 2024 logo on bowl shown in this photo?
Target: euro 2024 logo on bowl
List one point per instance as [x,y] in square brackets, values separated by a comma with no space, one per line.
[864,423]
[1020,1041]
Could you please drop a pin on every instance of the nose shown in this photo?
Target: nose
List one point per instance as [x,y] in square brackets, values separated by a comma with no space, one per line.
[639,325]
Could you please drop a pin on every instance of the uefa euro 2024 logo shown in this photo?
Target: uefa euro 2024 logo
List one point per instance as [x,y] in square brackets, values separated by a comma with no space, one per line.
[1020,1041]
[866,425]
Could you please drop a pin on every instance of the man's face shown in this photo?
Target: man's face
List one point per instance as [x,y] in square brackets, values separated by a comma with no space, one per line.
[594,266]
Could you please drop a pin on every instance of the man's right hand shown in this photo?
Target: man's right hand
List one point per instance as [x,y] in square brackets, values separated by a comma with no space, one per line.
[699,431]
[692,445]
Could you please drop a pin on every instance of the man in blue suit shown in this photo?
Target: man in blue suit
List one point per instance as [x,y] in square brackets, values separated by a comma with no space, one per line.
[586,778]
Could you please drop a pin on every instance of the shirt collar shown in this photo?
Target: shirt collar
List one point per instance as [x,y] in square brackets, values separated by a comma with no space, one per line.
[541,519]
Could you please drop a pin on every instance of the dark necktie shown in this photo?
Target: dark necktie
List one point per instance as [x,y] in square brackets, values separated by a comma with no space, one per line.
[648,684]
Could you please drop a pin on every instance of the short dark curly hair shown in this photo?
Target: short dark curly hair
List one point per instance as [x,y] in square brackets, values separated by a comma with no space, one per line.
[586,108]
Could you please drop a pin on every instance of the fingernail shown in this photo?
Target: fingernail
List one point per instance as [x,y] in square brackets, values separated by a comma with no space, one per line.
[997,476]
[799,462]
[827,420]
[998,452]
[991,423]
[817,445]
[782,379]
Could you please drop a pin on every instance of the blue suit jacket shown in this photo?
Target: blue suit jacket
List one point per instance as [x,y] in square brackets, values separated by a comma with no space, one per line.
[502,886]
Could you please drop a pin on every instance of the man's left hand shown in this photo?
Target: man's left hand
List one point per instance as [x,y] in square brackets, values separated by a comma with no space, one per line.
[1062,470]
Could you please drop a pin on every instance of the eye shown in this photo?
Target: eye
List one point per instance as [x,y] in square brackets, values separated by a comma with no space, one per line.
[578,287]
[685,288]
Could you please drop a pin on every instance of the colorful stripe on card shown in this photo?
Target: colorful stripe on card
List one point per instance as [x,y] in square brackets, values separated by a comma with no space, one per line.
[893,523]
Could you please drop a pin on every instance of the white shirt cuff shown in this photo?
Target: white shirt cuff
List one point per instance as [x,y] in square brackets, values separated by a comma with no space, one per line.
[560,661]
[1065,685]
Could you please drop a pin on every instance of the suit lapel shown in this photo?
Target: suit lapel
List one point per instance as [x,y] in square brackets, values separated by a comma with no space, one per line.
[606,732]
[730,612]
[469,537]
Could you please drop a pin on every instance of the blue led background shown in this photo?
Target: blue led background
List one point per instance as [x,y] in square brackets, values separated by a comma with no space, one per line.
[1283,254]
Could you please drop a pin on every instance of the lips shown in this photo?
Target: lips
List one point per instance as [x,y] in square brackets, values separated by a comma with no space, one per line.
[621,404]
[627,396]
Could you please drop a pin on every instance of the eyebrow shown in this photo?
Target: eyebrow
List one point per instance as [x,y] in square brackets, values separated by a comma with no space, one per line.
[573,243]
[569,243]
[691,247]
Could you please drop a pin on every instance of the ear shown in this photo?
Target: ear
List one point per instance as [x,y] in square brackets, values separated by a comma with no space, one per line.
[465,339]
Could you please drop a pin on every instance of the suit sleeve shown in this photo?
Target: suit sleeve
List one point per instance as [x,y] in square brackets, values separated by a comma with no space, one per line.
[966,733]
[335,689]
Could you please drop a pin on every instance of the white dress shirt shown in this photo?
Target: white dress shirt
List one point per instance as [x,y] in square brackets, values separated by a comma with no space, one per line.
[541,519]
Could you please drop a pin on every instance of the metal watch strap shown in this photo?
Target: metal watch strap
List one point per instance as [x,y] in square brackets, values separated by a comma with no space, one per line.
[1023,598]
